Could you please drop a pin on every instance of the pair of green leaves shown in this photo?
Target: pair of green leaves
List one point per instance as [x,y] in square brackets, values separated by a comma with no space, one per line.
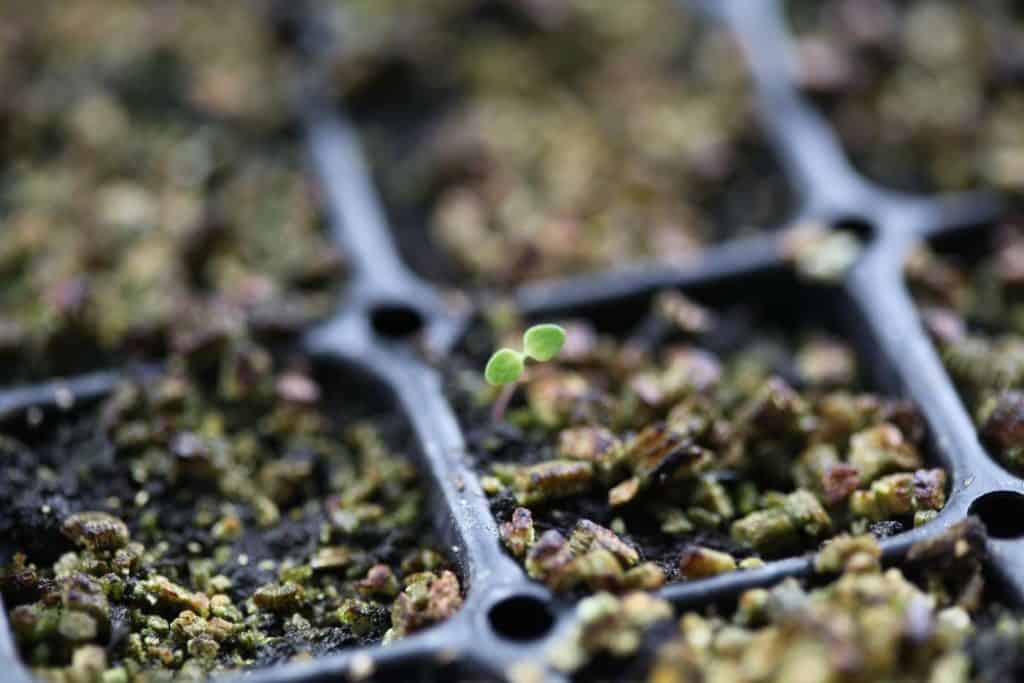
[540,342]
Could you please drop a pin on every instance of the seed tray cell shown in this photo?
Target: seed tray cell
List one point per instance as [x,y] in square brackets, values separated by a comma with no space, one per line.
[152,182]
[776,632]
[176,487]
[975,314]
[512,142]
[921,93]
[391,324]
[656,422]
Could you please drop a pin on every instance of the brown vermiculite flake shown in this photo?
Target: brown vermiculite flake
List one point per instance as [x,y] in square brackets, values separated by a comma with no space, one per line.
[211,520]
[96,530]
[972,309]
[660,458]
[427,598]
[697,562]
[785,525]
[285,598]
[518,533]
[923,623]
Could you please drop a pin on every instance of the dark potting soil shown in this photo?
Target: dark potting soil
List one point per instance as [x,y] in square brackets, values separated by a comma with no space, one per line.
[208,534]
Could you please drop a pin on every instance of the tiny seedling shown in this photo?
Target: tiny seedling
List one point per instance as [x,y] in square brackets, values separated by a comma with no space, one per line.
[540,343]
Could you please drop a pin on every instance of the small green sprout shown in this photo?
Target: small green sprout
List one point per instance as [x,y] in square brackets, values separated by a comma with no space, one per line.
[540,343]
[504,367]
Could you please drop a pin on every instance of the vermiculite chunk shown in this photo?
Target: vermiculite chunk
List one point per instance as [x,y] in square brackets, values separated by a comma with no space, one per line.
[96,530]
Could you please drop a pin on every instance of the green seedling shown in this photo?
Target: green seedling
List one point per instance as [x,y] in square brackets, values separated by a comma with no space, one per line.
[541,343]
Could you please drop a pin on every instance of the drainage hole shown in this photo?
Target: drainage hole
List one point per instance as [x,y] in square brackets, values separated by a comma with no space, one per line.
[395,321]
[521,617]
[1002,513]
[863,229]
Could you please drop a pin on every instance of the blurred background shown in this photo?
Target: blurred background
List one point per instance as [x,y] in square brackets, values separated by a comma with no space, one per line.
[153,182]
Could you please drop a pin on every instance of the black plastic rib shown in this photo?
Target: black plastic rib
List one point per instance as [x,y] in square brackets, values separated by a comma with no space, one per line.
[830,191]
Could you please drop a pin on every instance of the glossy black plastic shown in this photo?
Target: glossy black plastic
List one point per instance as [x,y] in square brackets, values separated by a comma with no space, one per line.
[392,325]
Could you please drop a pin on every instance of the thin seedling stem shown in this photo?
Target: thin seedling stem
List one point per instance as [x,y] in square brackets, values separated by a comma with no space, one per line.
[501,402]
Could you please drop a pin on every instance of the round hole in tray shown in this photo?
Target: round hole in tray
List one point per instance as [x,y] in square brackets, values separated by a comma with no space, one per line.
[860,227]
[1002,512]
[395,321]
[520,617]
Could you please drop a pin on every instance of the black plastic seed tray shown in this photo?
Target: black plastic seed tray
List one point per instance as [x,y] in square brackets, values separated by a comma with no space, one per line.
[391,325]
